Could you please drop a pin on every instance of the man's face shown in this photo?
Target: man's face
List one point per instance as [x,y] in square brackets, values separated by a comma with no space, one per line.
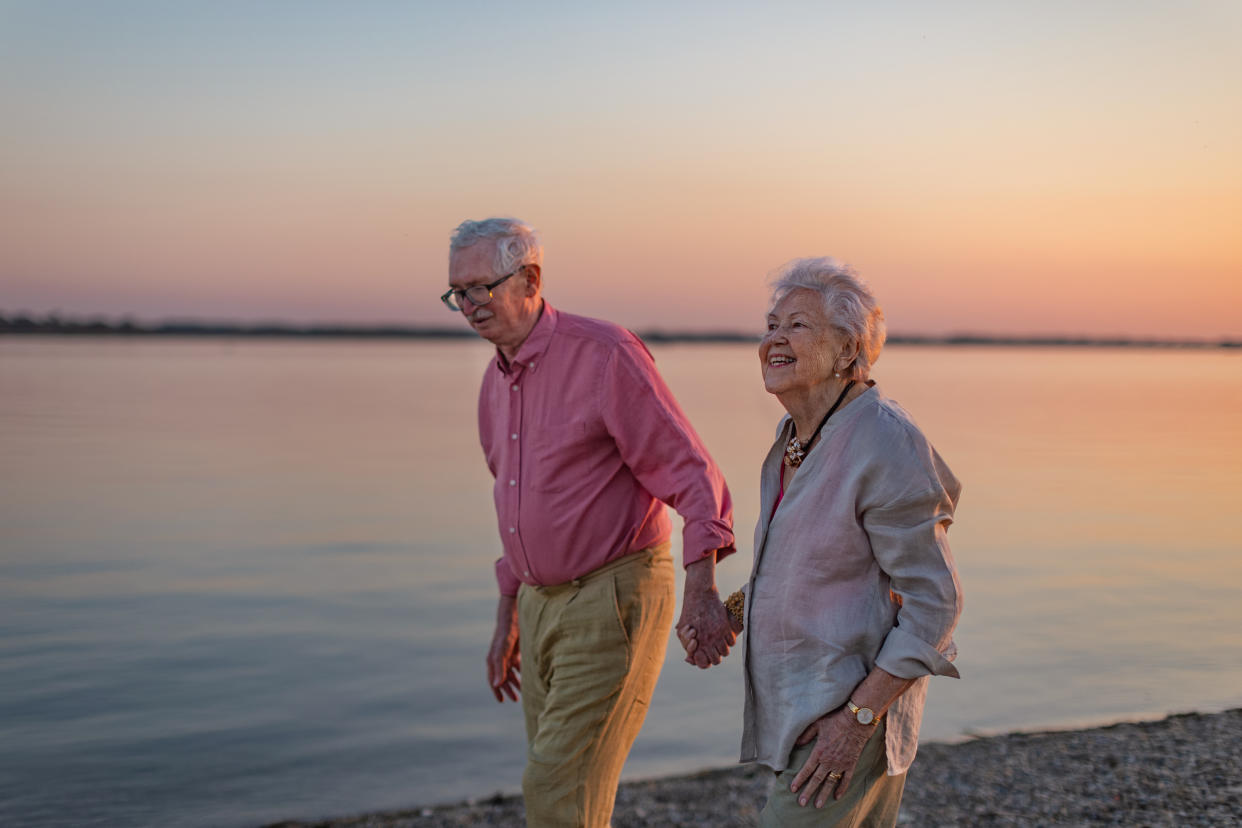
[503,320]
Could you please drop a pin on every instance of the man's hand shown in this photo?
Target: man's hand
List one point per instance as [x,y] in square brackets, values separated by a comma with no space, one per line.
[704,620]
[504,658]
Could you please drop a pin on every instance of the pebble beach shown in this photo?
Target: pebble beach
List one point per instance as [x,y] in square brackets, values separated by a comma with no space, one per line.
[1183,770]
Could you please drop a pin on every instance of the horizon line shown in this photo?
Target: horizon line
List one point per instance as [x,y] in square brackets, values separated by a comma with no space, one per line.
[53,324]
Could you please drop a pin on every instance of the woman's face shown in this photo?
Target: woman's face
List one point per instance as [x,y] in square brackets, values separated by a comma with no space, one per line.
[800,347]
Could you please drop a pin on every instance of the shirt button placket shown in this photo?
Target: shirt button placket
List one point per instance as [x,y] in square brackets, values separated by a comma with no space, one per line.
[515,470]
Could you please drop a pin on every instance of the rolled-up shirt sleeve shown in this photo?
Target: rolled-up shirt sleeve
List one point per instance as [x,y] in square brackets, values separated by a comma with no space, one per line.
[910,542]
[505,579]
[658,444]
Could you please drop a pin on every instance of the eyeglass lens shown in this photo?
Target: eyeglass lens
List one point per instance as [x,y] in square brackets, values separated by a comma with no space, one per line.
[477,294]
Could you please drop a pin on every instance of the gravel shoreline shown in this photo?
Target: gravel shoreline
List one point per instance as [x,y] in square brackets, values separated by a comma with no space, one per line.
[1178,771]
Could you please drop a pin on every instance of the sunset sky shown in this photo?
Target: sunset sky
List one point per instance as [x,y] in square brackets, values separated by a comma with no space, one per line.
[994,167]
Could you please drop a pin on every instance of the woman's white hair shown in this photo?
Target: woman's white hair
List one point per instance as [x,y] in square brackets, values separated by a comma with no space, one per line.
[517,243]
[849,303]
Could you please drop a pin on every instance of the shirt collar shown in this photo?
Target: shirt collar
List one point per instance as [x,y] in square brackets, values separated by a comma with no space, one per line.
[785,426]
[535,344]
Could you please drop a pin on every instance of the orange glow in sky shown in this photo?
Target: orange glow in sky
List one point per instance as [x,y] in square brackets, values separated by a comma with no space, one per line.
[1054,168]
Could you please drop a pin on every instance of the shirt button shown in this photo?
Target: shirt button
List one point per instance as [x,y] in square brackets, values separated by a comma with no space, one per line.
[514,387]
[512,530]
[512,482]
[526,572]
[513,436]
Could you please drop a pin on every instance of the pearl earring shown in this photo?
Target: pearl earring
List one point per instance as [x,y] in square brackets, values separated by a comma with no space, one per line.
[837,374]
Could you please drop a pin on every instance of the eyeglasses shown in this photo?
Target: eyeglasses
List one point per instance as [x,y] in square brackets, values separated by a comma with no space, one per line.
[477,294]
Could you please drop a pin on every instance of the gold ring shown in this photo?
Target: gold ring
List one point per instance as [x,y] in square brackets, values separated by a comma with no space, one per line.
[834,775]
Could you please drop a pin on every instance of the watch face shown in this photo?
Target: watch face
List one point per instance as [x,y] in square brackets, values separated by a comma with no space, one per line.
[865,716]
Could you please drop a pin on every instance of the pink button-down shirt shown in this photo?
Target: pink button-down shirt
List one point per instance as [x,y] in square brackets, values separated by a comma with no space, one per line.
[585,440]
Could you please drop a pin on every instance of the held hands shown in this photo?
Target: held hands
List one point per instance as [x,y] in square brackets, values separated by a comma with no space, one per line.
[704,628]
[839,742]
[688,635]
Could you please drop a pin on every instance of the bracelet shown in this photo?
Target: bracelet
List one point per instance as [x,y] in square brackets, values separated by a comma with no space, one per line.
[735,605]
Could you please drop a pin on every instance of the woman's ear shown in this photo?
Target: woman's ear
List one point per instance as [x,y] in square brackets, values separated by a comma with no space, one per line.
[849,353]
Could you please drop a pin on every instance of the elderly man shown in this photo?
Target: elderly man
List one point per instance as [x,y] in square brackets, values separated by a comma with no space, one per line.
[584,440]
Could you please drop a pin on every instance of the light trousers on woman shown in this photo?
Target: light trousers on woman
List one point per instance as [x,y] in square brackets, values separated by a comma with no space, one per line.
[591,653]
[871,801]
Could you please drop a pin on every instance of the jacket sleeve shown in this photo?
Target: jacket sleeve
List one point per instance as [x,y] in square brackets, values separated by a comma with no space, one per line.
[908,530]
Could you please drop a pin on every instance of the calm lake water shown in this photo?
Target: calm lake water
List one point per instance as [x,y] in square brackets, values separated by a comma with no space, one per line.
[244,581]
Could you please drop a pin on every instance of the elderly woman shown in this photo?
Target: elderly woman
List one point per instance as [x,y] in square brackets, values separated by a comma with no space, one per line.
[853,595]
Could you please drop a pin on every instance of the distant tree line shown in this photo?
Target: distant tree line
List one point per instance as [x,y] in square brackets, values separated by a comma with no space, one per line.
[55,324]
[100,326]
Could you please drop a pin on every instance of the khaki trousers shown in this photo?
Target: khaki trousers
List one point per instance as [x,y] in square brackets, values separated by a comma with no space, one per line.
[591,653]
[871,801]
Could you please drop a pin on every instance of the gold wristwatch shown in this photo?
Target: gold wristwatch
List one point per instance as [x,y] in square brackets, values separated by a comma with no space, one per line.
[864,715]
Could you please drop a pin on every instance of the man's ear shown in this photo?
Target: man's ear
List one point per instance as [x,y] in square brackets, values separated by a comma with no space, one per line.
[534,278]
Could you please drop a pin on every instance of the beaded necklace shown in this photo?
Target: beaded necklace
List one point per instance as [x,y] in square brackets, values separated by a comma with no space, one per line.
[795,450]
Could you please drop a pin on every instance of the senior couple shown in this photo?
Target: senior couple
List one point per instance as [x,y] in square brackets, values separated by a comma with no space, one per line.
[852,597]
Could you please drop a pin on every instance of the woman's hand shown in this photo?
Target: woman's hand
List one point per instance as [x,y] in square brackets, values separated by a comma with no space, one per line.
[688,636]
[839,741]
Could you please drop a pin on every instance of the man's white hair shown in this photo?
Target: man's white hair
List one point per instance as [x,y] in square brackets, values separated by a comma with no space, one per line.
[849,303]
[517,243]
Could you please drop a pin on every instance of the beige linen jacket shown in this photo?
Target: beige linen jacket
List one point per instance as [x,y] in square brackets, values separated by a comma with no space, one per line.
[867,513]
